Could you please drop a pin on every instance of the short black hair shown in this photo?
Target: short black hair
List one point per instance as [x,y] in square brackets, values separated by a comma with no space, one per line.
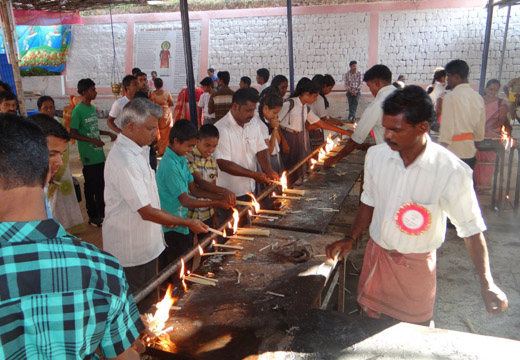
[263,73]
[242,96]
[141,74]
[212,70]
[328,80]
[153,72]
[208,131]
[380,72]
[493,81]
[6,96]
[43,99]
[206,81]
[353,62]
[136,71]
[224,76]
[183,130]
[158,83]
[127,80]
[400,77]
[24,158]
[413,102]
[6,86]
[458,67]
[141,94]
[84,85]
[246,80]
[49,126]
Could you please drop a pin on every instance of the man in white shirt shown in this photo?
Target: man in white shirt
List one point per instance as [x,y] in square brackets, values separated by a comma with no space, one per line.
[379,80]
[411,185]
[130,86]
[132,228]
[262,78]
[240,145]
[463,114]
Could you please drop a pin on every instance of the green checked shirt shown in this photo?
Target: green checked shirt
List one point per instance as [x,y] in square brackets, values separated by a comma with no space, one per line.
[207,168]
[61,298]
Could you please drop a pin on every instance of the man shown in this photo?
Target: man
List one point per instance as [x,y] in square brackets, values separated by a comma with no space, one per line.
[352,81]
[142,82]
[410,186]
[220,100]
[379,80]
[151,85]
[211,74]
[131,86]
[512,91]
[240,145]
[79,291]
[245,82]
[463,114]
[132,228]
[136,71]
[84,128]
[8,103]
[262,78]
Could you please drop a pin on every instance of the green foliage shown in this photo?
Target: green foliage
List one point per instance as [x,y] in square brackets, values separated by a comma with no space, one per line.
[37,71]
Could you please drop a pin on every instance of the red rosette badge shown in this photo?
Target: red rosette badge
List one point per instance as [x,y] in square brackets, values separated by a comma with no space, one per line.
[413,219]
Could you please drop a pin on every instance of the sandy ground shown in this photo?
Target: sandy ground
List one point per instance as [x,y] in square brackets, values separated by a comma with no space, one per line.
[459,305]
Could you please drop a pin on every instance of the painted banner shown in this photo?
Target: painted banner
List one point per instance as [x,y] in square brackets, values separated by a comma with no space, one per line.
[42,46]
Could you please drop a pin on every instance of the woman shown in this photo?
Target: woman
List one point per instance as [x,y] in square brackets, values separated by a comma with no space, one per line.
[294,118]
[496,118]
[437,88]
[164,99]
[61,194]
[280,84]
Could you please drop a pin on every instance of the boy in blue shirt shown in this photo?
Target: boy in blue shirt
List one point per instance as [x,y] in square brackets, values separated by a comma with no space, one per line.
[174,180]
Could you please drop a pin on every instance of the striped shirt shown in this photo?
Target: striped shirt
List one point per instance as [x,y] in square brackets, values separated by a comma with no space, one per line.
[61,298]
[207,168]
[352,81]
[220,102]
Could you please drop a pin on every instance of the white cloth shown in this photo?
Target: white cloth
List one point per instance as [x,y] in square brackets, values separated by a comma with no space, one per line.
[437,180]
[438,90]
[299,114]
[463,111]
[263,87]
[203,103]
[318,107]
[239,145]
[117,108]
[372,118]
[129,186]
[265,133]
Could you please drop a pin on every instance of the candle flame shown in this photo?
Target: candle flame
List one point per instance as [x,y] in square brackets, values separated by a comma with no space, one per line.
[283,180]
[330,144]
[214,242]
[229,225]
[162,314]
[506,139]
[236,218]
[202,251]
[249,212]
[273,194]
[181,275]
[223,234]
[313,163]
[322,155]
[255,203]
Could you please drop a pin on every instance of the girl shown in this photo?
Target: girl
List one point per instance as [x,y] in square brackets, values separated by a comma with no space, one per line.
[164,99]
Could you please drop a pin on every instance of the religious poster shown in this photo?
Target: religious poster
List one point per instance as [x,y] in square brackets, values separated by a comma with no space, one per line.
[159,47]
[43,46]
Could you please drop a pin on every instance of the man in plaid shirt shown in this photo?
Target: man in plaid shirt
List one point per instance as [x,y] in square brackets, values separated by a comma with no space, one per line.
[352,80]
[60,298]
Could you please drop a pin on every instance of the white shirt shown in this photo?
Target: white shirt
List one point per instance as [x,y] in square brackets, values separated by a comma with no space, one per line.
[299,114]
[265,133]
[129,186]
[203,103]
[318,107]
[239,145]
[263,87]
[437,180]
[117,108]
[463,111]
[372,118]
[438,90]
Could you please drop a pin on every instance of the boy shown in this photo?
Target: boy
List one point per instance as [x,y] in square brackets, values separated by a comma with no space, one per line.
[203,168]
[245,82]
[173,181]
[207,86]
[84,128]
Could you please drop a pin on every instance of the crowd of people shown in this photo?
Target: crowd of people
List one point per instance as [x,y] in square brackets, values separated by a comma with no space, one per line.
[168,178]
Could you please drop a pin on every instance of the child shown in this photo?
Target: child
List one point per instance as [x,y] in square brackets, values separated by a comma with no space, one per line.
[296,120]
[84,128]
[207,86]
[173,181]
[203,167]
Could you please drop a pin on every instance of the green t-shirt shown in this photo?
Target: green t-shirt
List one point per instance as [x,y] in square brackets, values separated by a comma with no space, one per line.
[85,121]
[173,177]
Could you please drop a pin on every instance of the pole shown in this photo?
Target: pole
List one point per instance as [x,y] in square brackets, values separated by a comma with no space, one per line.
[290,40]
[504,43]
[188,59]
[485,52]
[8,27]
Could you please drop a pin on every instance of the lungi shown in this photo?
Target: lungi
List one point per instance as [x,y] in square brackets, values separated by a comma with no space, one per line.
[398,285]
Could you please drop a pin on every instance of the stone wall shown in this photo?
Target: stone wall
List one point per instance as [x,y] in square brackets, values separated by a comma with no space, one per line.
[91,53]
